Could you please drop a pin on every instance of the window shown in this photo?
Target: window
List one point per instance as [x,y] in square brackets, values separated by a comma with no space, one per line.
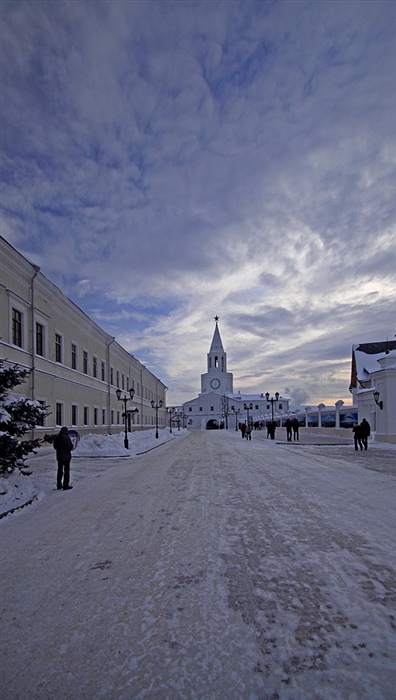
[74,356]
[103,416]
[85,362]
[112,417]
[41,420]
[212,408]
[256,407]
[74,415]
[103,371]
[200,408]
[39,339]
[123,381]
[190,408]
[118,379]
[95,416]
[95,366]
[280,406]
[86,415]
[111,376]
[58,347]
[216,362]
[58,413]
[17,328]
[137,388]
[118,418]
[127,383]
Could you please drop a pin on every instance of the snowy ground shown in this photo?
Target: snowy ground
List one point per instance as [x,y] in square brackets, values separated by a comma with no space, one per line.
[211,568]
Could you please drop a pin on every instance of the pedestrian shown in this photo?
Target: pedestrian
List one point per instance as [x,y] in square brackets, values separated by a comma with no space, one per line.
[248,432]
[296,426]
[243,429]
[365,432]
[64,447]
[273,427]
[288,426]
[268,429]
[357,436]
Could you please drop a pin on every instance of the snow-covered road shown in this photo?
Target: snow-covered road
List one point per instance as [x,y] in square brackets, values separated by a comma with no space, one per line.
[211,568]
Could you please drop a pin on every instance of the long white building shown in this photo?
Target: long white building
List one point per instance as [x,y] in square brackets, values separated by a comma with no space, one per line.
[75,366]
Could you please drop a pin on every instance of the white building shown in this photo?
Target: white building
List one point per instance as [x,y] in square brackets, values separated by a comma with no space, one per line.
[373,386]
[217,406]
[75,366]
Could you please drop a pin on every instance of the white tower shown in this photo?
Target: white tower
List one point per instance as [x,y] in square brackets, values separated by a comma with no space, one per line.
[217,379]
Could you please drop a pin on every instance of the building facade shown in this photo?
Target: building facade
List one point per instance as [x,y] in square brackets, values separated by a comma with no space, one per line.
[217,406]
[75,366]
[373,386]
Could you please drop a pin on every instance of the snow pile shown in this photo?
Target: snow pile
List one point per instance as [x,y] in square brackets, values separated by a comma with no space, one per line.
[16,490]
[113,445]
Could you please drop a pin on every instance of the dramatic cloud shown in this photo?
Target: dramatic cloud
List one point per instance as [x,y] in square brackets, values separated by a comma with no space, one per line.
[164,162]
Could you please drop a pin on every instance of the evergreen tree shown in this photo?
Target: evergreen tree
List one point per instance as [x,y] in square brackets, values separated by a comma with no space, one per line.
[18,415]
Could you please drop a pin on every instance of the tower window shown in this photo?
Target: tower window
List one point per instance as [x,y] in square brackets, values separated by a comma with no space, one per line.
[216,362]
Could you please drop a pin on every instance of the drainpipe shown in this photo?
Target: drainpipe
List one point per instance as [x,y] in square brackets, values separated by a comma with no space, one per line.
[109,387]
[33,353]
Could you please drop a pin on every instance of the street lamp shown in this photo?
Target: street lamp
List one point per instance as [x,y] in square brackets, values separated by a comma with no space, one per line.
[272,400]
[125,400]
[247,406]
[170,411]
[236,411]
[156,406]
[379,403]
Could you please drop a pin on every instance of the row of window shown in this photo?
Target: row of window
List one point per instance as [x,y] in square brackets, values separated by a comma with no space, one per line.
[256,407]
[95,416]
[98,368]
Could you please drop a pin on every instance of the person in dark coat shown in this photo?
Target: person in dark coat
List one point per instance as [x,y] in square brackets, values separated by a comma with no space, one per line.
[296,426]
[272,429]
[357,436]
[243,429]
[63,446]
[365,432]
[288,426]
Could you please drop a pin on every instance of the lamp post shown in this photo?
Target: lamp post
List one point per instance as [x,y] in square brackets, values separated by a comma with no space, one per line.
[125,400]
[272,400]
[247,407]
[156,406]
[236,411]
[170,411]
[379,403]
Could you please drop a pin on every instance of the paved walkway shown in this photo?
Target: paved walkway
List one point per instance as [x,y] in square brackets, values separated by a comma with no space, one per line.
[209,569]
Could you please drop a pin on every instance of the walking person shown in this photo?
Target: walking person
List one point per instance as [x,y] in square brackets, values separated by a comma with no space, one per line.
[288,426]
[64,447]
[243,429]
[365,432]
[273,427]
[296,426]
[248,432]
[357,436]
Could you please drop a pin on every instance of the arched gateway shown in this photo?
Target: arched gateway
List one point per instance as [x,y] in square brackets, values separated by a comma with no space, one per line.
[212,424]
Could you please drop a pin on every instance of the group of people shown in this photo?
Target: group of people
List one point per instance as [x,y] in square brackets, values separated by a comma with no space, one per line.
[246,430]
[361,434]
[292,427]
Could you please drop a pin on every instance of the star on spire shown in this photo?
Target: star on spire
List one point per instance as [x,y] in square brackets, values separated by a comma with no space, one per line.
[216,318]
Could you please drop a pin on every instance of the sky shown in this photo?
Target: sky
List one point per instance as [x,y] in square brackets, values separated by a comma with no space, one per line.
[166,162]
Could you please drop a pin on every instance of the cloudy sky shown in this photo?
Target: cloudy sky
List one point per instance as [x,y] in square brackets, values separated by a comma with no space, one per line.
[164,162]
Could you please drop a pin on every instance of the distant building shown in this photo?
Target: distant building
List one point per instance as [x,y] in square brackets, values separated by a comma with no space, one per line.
[75,366]
[217,406]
